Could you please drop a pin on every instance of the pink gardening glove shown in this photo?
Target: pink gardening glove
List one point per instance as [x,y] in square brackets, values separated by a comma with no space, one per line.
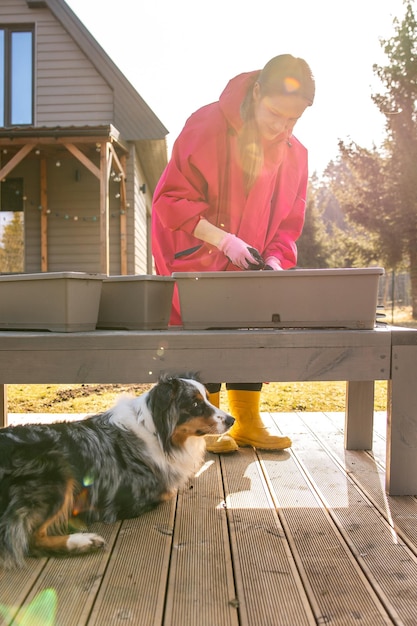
[237,251]
[272,263]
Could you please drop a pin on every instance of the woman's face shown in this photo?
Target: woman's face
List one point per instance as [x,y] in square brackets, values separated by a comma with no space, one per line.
[276,116]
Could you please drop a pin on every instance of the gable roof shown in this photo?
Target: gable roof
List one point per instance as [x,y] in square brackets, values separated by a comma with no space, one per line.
[142,123]
[136,121]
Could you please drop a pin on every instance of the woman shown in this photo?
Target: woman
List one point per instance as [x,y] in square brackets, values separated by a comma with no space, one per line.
[236,186]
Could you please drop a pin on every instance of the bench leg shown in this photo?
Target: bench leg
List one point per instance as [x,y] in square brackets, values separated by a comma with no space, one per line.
[359,420]
[401,462]
[3,406]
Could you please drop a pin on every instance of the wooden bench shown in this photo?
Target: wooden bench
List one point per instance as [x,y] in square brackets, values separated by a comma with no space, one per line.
[359,357]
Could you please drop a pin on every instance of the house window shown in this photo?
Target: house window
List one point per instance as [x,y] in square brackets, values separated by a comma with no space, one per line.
[16,75]
[11,190]
[11,226]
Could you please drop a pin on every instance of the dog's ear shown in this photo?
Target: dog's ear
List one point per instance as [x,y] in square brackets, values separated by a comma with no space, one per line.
[190,375]
[162,402]
[196,376]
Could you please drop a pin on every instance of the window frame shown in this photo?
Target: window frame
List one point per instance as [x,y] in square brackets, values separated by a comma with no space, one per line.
[9,30]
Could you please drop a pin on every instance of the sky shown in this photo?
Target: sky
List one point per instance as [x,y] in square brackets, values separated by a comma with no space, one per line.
[180,54]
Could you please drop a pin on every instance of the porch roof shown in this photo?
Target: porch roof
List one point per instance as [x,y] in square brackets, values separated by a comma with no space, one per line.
[152,153]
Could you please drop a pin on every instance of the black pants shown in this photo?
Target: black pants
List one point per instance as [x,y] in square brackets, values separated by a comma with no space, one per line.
[215,387]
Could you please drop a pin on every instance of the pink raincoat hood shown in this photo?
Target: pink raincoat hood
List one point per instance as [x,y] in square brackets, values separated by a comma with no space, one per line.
[233,95]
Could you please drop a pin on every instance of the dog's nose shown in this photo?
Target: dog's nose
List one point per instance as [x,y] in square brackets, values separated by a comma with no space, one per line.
[229,421]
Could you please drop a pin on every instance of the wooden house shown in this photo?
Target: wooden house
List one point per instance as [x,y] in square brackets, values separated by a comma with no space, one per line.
[80,150]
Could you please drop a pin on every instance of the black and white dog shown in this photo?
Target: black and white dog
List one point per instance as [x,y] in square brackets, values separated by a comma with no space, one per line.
[109,466]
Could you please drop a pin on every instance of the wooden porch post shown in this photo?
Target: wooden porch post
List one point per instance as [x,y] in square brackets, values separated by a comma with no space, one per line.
[104,209]
[44,217]
[123,219]
[3,406]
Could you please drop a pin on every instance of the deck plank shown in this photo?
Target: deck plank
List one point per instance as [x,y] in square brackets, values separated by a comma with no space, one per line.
[74,582]
[318,546]
[15,585]
[388,564]
[368,473]
[133,588]
[200,586]
[270,591]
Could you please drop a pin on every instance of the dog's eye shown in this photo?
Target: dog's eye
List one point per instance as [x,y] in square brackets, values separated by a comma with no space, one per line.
[195,405]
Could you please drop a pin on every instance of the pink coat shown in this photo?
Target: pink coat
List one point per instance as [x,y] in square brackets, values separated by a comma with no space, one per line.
[203,178]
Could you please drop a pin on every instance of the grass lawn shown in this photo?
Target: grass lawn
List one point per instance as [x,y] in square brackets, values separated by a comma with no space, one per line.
[276,397]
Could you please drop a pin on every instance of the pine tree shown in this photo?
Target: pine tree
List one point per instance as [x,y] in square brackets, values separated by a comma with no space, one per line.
[312,245]
[377,189]
[399,106]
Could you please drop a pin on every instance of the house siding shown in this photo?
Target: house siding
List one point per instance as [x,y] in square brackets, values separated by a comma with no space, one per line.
[68,88]
[77,85]
[73,240]
[30,172]
[69,91]
[138,232]
[74,226]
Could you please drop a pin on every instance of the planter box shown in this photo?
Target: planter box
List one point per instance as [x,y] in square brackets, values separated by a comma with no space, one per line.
[136,302]
[322,298]
[56,301]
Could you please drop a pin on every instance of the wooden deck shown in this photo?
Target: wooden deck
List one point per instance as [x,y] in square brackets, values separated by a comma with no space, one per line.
[300,537]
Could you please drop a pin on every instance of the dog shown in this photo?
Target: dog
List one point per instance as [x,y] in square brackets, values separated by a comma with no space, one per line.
[106,467]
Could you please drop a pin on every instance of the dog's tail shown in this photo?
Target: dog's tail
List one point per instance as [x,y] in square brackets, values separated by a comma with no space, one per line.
[34,496]
[14,541]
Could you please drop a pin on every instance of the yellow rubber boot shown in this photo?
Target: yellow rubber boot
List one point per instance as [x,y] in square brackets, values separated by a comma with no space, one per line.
[249,429]
[219,444]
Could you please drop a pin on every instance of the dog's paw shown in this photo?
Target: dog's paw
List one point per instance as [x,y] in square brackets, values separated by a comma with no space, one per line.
[85,542]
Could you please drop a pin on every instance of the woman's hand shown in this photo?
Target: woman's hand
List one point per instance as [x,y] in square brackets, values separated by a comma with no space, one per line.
[238,252]
[272,263]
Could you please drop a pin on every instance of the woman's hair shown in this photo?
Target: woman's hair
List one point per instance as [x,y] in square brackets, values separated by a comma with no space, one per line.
[283,75]
[287,75]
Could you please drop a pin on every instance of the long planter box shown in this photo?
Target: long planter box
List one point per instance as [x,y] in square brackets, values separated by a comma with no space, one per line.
[318,298]
[55,301]
[136,302]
